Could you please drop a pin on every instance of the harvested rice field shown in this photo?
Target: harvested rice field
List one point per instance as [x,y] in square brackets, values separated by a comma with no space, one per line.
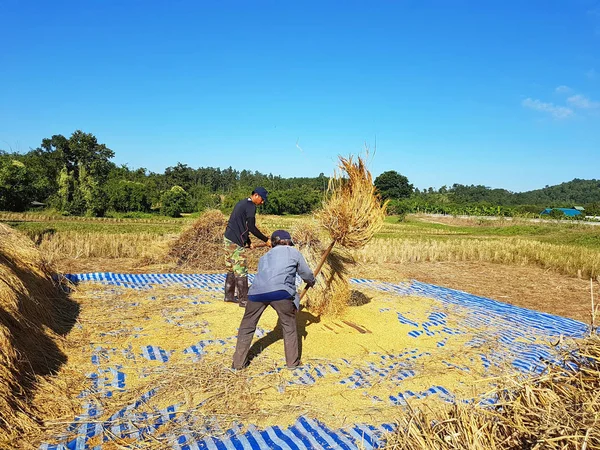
[148,365]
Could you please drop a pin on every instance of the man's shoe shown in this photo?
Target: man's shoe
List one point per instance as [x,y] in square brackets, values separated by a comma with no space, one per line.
[242,289]
[299,366]
[230,288]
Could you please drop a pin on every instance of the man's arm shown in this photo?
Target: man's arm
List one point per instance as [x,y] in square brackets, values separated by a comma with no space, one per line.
[304,271]
[251,223]
[255,231]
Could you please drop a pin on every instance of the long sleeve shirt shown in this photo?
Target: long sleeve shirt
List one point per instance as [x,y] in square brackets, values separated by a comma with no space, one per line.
[277,272]
[242,222]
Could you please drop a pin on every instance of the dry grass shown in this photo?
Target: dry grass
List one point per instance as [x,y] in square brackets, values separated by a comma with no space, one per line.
[33,315]
[570,260]
[559,409]
[566,259]
[201,245]
[76,244]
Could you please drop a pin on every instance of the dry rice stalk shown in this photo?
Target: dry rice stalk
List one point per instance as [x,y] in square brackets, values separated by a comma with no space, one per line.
[353,213]
[33,313]
[559,409]
[200,247]
[331,294]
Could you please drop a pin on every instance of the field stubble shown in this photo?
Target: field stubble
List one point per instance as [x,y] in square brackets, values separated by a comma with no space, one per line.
[556,247]
[565,259]
[569,260]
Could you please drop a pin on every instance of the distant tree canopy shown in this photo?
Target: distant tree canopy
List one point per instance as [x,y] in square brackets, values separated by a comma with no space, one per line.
[75,175]
[392,185]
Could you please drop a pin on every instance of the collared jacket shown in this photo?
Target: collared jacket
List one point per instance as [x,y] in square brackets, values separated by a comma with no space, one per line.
[277,271]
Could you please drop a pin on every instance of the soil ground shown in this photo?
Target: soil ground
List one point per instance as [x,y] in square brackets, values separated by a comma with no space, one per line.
[526,286]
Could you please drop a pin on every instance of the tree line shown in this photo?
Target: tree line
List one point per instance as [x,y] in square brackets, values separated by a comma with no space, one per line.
[76,176]
[460,199]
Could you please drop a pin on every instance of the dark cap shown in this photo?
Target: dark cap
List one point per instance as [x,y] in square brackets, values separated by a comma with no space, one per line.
[262,192]
[281,235]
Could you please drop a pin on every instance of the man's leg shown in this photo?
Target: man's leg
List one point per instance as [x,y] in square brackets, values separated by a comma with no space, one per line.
[230,250]
[247,328]
[240,268]
[287,317]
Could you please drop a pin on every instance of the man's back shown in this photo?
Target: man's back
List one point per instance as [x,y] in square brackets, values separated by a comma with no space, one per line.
[237,226]
[277,271]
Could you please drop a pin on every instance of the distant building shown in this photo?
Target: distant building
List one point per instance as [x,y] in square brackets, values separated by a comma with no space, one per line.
[569,212]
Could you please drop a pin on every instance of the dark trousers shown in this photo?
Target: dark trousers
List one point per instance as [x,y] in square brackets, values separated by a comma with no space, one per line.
[287,318]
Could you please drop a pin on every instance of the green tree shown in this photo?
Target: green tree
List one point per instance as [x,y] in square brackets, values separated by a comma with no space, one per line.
[174,202]
[392,185]
[125,196]
[16,193]
[85,168]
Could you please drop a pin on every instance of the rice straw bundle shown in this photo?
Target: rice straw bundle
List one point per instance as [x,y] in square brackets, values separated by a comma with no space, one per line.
[331,293]
[200,247]
[351,215]
[33,312]
[558,409]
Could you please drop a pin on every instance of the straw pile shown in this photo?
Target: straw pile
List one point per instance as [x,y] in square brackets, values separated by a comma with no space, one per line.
[351,215]
[33,313]
[200,247]
[559,409]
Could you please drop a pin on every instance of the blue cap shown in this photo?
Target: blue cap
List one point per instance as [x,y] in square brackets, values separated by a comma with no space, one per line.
[262,192]
[281,235]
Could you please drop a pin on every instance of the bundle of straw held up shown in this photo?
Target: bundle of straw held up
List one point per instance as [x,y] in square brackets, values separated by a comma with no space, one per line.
[351,214]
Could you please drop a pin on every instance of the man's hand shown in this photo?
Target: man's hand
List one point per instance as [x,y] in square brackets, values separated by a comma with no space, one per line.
[269,243]
[310,284]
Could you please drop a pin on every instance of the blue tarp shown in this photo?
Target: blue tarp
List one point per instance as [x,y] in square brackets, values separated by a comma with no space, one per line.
[515,327]
[570,212]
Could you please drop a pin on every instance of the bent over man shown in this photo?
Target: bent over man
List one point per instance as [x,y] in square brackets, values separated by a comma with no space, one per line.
[275,285]
[241,223]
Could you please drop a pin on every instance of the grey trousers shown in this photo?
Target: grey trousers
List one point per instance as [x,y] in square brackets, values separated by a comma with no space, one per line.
[287,318]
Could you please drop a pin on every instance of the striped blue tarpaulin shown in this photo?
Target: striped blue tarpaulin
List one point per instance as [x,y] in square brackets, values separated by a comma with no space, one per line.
[306,433]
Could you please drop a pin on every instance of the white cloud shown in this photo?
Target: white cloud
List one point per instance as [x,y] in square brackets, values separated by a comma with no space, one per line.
[595,12]
[581,101]
[562,89]
[558,112]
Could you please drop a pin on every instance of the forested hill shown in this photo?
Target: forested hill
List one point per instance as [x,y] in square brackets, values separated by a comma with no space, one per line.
[576,192]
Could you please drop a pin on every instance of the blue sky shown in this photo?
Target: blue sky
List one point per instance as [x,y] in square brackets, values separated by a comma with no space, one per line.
[500,93]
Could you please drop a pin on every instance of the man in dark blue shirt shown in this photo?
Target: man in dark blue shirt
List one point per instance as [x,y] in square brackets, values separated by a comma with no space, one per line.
[241,223]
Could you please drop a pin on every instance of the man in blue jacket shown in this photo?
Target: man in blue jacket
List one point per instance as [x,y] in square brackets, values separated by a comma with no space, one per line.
[275,285]
[241,223]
